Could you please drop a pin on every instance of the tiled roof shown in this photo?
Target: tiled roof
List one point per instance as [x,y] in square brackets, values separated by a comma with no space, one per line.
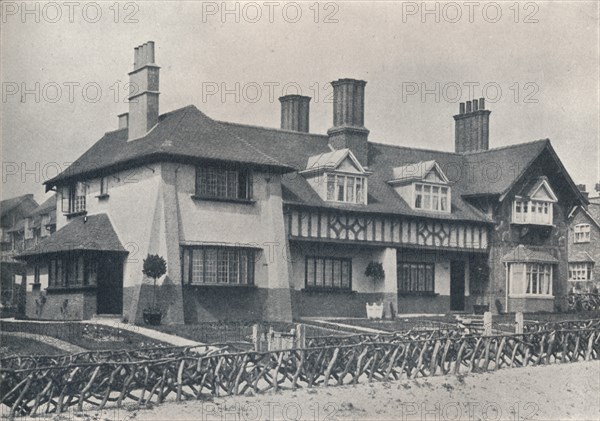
[594,211]
[8,204]
[523,254]
[180,134]
[92,233]
[48,206]
[580,257]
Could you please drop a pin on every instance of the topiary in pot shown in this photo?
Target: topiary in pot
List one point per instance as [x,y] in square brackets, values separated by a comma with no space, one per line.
[154,267]
[375,271]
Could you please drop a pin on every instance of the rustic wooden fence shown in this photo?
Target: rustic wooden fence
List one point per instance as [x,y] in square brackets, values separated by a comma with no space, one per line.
[583,301]
[31,385]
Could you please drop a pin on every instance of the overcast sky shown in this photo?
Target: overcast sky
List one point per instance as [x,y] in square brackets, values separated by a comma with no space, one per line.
[543,57]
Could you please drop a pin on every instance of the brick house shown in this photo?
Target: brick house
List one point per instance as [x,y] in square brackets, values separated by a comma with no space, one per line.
[277,224]
[584,247]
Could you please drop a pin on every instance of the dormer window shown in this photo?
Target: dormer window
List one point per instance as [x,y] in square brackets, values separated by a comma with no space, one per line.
[535,204]
[337,176]
[423,185]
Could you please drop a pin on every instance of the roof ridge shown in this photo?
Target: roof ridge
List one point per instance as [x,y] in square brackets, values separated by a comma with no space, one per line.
[274,129]
[415,149]
[515,145]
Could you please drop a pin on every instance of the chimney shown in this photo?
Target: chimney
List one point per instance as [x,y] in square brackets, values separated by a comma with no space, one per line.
[295,112]
[143,92]
[583,191]
[472,129]
[348,129]
[123,121]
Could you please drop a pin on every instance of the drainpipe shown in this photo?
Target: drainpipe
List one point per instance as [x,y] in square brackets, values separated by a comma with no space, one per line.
[506,287]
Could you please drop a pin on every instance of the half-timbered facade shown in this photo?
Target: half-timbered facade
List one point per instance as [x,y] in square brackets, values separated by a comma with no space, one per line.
[263,223]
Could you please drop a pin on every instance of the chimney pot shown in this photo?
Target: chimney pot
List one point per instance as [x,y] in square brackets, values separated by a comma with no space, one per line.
[468,106]
[482,103]
[461,109]
[295,112]
[475,104]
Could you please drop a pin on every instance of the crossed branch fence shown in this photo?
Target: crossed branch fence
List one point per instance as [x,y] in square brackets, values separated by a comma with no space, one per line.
[32,385]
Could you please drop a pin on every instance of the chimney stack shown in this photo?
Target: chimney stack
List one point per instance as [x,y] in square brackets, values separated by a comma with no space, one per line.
[123,120]
[472,132]
[295,113]
[143,92]
[348,129]
[583,191]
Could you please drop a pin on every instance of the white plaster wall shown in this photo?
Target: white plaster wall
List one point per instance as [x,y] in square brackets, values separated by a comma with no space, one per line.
[30,277]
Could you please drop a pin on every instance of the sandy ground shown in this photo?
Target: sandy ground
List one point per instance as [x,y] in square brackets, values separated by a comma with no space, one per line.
[556,392]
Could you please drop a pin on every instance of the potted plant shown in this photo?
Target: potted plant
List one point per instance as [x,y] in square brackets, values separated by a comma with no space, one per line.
[154,267]
[375,271]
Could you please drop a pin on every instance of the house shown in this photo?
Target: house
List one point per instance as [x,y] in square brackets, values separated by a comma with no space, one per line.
[13,212]
[584,246]
[277,224]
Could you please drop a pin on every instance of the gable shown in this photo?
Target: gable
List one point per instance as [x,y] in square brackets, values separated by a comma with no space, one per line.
[434,176]
[348,166]
[544,193]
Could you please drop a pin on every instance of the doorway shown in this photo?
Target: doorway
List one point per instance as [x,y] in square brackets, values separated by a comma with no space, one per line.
[109,291]
[457,285]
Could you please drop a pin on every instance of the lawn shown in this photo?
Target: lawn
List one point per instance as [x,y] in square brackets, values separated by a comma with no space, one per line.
[17,345]
[90,336]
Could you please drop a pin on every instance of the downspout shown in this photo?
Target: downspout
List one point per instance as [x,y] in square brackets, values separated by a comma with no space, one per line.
[506,286]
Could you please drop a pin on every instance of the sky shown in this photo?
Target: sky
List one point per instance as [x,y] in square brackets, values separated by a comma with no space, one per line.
[64,71]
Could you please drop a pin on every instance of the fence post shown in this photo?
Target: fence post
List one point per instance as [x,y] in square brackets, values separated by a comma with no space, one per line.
[519,323]
[300,341]
[487,323]
[257,337]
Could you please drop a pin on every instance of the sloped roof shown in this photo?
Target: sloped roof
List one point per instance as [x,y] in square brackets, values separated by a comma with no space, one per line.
[18,226]
[580,257]
[9,204]
[594,211]
[48,206]
[92,233]
[523,254]
[180,134]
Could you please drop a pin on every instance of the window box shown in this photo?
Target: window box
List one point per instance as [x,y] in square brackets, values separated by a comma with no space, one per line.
[223,199]
[103,196]
[323,290]
[75,214]
[417,294]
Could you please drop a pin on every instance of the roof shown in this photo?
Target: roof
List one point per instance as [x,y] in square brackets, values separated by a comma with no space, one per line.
[581,257]
[186,133]
[48,206]
[523,254]
[18,226]
[417,171]
[9,204]
[91,233]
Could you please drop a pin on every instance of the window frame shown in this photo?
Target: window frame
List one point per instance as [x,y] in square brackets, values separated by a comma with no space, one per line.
[584,268]
[243,180]
[582,233]
[320,266]
[71,201]
[431,195]
[528,207]
[359,183]
[400,283]
[246,256]
[78,264]
[528,281]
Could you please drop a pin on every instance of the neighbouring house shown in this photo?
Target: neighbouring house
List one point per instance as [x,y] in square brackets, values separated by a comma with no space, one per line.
[13,212]
[277,224]
[584,246]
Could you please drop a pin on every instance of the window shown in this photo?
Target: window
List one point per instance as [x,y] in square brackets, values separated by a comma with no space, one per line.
[218,265]
[72,271]
[530,279]
[532,212]
[582,233]
[580,271]
[416,277]
[223,182]
[328,273]
[346,188]
[432,197]
[36,274]
[73,198]
[103,186]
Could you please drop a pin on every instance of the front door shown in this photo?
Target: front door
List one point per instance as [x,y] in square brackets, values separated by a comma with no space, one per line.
[457,285]
[109,292]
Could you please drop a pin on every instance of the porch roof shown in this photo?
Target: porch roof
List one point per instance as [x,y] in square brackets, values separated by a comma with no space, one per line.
[522,254]
[581,257]
[90,233]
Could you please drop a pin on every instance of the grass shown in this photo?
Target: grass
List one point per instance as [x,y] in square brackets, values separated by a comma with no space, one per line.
[400,324]
[90,336]
[210,332]
[18,345]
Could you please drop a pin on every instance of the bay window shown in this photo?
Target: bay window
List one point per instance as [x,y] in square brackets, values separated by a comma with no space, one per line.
[72,271]
[582,233]
[432,197]
[346,188]
[532,212]
[218,265]
[530,279]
